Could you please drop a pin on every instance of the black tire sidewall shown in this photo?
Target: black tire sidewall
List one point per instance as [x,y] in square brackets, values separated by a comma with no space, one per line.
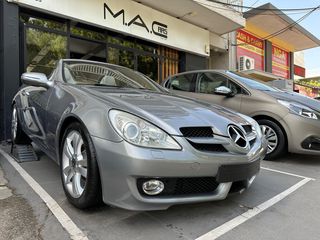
[21,137]
[91,195]
[281,149]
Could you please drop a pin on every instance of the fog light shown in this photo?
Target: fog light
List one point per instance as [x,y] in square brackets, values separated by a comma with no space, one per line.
[153,187]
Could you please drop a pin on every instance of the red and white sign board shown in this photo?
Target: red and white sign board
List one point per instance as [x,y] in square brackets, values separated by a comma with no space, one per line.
[251,46]
[280,62]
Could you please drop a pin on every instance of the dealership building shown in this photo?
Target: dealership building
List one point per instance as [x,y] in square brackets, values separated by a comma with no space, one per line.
[157,38]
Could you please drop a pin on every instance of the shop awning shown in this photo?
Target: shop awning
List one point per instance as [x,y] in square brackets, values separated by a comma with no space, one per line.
[215,17]
[267,19]
[260,75]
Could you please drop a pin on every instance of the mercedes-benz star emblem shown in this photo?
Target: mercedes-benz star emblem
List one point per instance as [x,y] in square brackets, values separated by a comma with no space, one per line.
[238,137]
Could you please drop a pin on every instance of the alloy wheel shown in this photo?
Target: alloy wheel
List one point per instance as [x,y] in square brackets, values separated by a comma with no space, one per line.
[271,136]
[74,164]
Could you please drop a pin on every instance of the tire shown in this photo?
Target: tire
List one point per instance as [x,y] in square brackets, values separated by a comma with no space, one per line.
[274,134]
[17,134]
[79,169]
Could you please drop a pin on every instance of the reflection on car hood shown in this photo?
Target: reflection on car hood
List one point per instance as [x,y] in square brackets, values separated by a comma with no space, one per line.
[295,97]
[167,111]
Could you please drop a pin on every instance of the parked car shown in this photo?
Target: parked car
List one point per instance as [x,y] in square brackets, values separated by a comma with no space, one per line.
[290,121]
[120,137]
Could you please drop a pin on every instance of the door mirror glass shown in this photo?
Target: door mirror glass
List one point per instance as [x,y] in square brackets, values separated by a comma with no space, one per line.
[35,79]
[222,90]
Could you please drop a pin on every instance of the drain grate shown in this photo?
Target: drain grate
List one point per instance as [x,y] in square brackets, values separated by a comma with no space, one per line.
[24,153]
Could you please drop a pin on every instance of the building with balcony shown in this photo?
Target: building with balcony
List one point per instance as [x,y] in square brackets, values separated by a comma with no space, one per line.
[270,45]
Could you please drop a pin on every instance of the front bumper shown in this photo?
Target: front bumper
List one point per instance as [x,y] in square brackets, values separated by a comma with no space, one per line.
[303,134]
[122,164]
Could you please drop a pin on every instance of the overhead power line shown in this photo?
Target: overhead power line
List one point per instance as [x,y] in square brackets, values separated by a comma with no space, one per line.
[255,3]
[263,9]
[265,14]
[283,29]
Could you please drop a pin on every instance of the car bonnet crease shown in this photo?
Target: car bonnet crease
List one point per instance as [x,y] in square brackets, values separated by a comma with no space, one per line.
[167,111]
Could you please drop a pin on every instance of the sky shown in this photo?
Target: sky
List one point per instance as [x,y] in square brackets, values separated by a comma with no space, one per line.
[311,23]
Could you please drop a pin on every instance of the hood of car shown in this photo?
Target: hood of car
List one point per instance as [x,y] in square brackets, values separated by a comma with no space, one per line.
[295,97]
[167,111]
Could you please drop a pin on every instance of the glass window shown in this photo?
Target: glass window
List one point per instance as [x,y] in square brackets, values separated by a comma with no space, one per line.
[43,50]
[235,88]
[41,22]
[121,41]
[86,33]
[149,66]
[182,82]
[89,50]
[208,82]
[147,48]
[121,57]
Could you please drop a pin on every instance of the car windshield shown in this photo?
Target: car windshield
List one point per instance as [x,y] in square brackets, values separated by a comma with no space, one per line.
[100,74]
[251,82]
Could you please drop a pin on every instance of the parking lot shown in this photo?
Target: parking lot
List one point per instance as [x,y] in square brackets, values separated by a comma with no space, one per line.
[281,204]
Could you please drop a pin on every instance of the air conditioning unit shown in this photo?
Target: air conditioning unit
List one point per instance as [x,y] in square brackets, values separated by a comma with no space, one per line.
[246,63]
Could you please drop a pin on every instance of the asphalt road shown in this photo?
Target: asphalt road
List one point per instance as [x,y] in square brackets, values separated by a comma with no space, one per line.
[294,217]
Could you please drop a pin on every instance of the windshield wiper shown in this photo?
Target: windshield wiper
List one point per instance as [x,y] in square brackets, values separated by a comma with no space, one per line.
[106,85]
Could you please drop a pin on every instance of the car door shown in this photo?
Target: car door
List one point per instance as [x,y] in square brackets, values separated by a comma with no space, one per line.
[34,101]
[183,85]
[206,84]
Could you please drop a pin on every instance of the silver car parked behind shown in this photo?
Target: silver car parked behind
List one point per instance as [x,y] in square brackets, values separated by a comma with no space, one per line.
[121,138]
[290,121]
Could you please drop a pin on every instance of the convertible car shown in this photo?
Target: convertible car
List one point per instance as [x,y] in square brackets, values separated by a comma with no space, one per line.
[121,138]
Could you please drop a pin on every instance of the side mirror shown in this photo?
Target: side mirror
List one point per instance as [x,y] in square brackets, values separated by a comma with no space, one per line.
[222,90]
[35,79]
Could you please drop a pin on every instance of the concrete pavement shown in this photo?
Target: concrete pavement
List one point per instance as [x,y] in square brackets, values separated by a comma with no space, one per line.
[294,217]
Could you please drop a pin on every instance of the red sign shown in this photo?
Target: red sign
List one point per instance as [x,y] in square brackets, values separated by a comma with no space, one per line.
[299,71]
[280,62]
[251,46]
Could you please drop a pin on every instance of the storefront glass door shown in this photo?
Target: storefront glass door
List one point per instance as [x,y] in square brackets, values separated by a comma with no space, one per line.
[47,40]
[149,66]
[87,50]
[121,57]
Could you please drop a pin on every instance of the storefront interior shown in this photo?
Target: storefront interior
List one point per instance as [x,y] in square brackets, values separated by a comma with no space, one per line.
[46,39]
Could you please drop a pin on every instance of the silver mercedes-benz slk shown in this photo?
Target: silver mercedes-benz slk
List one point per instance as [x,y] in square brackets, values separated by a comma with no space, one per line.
[122,138]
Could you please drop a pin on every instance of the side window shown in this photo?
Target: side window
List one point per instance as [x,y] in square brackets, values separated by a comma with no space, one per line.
[208,82]
[182,83]
[235,88]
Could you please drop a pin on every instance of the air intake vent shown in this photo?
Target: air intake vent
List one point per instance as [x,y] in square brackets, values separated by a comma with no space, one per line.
[208,147]
[183,186]
[197,132]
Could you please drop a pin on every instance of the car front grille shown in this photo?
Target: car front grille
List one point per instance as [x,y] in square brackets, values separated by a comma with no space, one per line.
[208,147]
[249,131]
[197,132]
[193,134]
[182,186]
[247,128]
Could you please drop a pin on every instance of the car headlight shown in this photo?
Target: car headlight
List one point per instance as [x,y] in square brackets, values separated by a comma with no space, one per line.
[140,132]
[300,109]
